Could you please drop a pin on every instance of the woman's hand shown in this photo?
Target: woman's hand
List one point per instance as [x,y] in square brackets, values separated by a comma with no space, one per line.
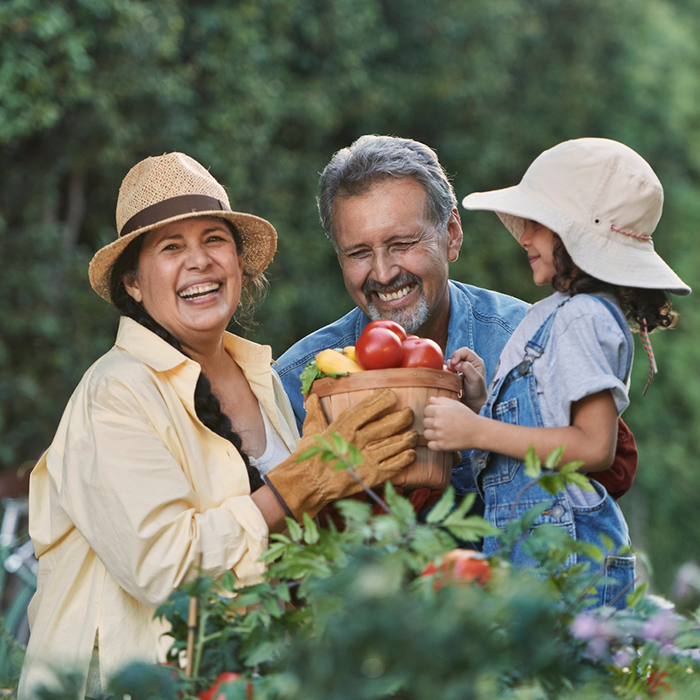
[449,425]
[467,363]
[377,431]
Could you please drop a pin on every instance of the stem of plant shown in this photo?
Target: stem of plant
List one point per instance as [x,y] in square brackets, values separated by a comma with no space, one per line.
[519,496]
[369,491]
[200,642]
[627,588]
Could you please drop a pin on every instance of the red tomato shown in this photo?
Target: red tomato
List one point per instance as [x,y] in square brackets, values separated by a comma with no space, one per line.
[422,352]
[222,679]
[378,348]
[458,567]
[391,325]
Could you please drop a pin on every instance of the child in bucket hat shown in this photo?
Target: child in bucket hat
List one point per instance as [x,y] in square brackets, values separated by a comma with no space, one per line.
[585,212]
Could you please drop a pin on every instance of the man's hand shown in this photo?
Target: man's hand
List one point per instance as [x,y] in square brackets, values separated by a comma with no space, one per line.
[467,363]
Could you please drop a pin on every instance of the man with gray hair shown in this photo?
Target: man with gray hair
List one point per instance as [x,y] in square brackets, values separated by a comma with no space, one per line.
[391,214]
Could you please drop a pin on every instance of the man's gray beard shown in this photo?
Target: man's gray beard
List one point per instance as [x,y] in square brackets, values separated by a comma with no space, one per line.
[410,319]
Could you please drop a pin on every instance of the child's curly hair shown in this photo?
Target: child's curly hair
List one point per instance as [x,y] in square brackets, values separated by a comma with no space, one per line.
[637,304]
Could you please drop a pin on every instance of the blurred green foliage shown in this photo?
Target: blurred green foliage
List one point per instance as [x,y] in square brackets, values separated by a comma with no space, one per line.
[263,92]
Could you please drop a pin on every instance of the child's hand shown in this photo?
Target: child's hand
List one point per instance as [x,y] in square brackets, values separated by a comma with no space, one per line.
[467,363]
[449,425]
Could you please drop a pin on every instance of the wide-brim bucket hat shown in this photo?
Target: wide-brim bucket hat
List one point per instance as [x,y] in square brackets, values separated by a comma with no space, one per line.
[171,187]
[603,200]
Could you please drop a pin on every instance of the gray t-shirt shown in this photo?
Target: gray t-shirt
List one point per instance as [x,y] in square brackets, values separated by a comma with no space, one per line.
[587,352]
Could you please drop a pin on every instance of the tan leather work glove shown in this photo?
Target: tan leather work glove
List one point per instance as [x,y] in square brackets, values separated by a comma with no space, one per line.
[307,486]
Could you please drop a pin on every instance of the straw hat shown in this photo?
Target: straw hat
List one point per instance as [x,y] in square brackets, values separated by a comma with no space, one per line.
[171,187]
[603,200]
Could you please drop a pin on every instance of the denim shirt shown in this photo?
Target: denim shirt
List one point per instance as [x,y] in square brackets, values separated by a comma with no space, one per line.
[479,319]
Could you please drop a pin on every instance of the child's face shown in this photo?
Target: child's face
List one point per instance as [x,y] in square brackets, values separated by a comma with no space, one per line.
[538,241]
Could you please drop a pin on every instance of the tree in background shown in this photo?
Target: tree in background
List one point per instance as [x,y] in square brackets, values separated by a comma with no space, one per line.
[264,92]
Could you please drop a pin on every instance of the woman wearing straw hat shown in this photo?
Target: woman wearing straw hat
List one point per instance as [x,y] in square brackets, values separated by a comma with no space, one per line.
[179,443]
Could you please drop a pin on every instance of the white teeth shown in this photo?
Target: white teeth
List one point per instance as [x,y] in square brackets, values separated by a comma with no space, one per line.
[394,295]
[198,290]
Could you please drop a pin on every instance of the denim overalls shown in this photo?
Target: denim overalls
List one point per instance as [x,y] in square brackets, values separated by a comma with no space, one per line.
[513,399]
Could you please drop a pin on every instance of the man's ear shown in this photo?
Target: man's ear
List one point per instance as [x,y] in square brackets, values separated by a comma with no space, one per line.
[454,236]
[131,284]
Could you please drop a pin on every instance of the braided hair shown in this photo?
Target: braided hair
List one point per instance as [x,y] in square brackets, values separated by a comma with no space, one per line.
[207,406]
[650,306]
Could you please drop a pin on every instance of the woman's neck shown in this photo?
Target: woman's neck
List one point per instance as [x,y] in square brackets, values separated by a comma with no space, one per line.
[211,355]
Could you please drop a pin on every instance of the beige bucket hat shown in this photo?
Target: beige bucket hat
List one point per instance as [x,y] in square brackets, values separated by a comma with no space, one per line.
[604,201]
[171,187]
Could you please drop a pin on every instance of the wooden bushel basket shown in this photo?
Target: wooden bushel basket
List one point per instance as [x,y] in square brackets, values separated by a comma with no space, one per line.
[413,386]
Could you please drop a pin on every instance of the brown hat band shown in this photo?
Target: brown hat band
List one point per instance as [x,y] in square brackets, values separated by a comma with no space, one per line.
[174,206]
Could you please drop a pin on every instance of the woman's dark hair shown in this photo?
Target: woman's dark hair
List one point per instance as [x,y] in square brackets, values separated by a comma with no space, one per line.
[639,305]
[206,404]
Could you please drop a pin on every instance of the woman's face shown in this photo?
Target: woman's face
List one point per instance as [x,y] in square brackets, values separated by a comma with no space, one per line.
[189,278]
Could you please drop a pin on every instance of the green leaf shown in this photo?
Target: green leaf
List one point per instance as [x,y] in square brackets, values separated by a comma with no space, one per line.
[309,375]
[295,531]
[581,480]
[570,467]
[473,528]
[272,606]
[310,530]
[553,457]
[590,550]
[530,516]
[308,454]
[464,507]
[636,596]
[533,466]
[400,506]
[352,509]
[324,443]
[340,444]
[262,652]
[551,483]
[608,544]
[354,455]
[443,507]
[228,581]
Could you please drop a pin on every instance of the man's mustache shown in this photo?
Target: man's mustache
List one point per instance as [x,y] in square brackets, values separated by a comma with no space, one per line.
[400,281]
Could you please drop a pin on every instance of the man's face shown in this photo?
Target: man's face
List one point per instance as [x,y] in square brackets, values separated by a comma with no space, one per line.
[394,260]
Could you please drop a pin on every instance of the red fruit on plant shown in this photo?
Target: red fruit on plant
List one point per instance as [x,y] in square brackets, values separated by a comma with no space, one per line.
[214,693]
[378,348]
[458,567]
[391,325]
[422,352]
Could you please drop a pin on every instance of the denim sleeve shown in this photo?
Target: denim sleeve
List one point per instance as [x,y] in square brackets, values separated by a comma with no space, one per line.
[291,364]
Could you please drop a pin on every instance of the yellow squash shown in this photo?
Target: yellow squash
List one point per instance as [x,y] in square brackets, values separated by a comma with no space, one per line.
[334,362]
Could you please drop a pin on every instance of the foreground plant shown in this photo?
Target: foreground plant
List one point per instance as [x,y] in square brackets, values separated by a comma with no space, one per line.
[391,608]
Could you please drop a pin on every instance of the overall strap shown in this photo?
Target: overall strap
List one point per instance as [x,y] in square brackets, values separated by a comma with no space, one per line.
[536,345]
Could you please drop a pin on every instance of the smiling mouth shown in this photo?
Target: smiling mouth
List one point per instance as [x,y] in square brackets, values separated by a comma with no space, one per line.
[394,296]
[199,290]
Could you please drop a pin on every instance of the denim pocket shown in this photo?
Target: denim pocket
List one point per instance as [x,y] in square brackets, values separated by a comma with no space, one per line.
[621,572]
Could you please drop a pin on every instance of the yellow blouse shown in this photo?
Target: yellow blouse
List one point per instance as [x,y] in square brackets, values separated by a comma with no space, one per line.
[131,487]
